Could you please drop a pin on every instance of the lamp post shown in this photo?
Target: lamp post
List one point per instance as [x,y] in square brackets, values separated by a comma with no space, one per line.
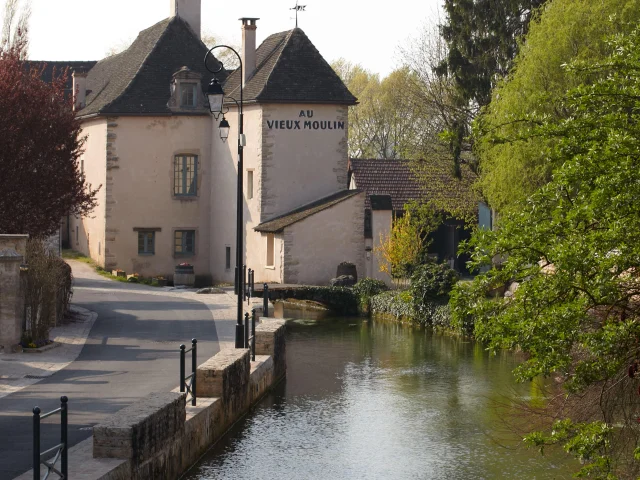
[215,94]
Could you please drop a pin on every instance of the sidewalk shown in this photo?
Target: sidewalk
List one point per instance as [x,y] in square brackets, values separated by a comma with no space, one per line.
[19,370]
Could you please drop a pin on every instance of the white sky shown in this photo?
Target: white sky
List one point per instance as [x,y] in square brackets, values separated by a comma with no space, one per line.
[361,31]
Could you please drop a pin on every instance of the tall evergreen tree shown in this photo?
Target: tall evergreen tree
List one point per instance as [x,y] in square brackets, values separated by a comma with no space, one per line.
[482,38]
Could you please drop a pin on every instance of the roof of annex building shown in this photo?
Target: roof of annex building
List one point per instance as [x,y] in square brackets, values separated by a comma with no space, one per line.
[278,223]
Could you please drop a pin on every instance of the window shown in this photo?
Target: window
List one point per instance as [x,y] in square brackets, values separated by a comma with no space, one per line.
[249,184]
[146,242]
[188,94]
[82,169]
[184,242]
[270,249]
[185,175]
[227,258]
[77,236]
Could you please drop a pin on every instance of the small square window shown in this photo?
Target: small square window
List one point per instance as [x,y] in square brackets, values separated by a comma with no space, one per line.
[188,94]
[146,243]
[184,242]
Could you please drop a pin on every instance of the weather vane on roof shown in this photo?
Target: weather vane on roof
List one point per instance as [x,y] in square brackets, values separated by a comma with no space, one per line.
[298,8]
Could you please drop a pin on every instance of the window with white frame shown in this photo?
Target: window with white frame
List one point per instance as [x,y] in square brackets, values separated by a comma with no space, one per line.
[185,175]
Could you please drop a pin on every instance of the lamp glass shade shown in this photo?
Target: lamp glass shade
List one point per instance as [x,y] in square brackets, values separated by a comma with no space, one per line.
[215,94]
[224,129]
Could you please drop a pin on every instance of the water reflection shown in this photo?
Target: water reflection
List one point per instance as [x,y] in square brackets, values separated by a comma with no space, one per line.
[368,400]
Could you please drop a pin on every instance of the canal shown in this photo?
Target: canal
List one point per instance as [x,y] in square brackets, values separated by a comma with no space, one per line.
[370,400]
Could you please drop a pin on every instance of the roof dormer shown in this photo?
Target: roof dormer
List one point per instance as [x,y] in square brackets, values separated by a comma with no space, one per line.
[186,91]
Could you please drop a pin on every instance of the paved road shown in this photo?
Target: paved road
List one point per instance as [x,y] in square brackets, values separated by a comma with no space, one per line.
[130,352]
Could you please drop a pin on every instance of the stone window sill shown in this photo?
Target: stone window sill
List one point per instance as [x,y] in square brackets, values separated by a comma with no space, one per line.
[270,267]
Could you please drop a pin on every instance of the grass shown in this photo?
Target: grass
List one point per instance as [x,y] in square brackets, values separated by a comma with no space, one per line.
[74,255]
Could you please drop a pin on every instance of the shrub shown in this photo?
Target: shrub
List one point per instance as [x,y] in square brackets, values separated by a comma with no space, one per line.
[397,304]
[47,287]
[431,283]
[367,288]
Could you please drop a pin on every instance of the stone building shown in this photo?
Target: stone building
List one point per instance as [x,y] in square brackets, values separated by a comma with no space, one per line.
[169,182]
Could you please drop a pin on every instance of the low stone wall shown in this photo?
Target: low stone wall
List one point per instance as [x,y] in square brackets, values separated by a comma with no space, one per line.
[161,437]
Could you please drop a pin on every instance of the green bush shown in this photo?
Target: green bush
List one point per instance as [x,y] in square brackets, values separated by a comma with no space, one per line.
[397,304]
[431,283]
[367,288]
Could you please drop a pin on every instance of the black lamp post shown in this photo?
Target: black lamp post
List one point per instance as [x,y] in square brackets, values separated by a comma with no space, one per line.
[215,95]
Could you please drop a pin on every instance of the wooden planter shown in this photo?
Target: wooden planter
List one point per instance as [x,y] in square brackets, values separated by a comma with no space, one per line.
[184,276]
[117,273]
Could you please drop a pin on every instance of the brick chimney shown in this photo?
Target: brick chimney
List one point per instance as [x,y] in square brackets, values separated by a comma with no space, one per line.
[248,47]
[79,86]
[188,10]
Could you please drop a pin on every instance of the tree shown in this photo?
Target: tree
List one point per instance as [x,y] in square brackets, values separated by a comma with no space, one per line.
[40,143]
[574,249]
[385,121]
[482,38]
[406,245]
[513,162]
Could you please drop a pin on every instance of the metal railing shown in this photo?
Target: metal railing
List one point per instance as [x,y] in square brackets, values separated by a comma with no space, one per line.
[188,383]
[265,300]
[61,450]
[250,341]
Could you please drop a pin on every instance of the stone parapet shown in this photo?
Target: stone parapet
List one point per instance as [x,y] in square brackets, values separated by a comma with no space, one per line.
[270,340]
[142,429]
[11,298]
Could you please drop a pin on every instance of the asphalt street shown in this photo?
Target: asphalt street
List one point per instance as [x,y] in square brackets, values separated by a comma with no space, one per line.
[132,350]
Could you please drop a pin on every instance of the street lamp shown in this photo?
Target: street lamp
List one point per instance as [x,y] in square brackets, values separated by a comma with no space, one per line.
[215,94]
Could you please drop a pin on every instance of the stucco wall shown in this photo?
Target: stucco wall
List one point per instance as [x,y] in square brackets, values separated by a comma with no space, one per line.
[140,191]
[304,155]
[87,234]
[315,246]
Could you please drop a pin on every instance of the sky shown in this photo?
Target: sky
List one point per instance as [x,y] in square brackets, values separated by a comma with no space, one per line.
[360,31]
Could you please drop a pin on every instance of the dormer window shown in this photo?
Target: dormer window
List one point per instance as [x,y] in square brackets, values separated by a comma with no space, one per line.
[188,94]
[186,91]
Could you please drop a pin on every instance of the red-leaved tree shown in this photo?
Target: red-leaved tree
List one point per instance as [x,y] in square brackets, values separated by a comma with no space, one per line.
[40,142]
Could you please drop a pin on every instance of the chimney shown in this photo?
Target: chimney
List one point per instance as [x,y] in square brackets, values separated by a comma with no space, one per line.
[248,47]
[188,10]
[79,88]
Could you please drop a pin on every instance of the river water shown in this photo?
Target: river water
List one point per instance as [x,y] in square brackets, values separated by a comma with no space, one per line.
[369,400]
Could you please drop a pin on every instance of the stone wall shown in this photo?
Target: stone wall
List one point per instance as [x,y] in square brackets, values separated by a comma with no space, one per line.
[12,252]
[161,436]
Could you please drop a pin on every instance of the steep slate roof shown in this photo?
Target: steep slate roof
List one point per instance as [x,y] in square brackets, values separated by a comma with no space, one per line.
[386,177]
[137,81]
[289,69]
[51,70]
[278,223]
[398,179]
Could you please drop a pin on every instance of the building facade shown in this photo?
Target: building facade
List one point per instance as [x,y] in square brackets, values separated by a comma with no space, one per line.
[168,180]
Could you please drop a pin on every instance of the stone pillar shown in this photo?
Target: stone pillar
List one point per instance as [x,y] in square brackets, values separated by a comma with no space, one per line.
[11,299]
[270,341]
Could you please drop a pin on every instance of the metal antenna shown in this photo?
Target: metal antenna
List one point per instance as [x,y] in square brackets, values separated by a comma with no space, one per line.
[298,8]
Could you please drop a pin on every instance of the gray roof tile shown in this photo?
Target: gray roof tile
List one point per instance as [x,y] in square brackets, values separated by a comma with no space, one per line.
[277,224]
[289,69]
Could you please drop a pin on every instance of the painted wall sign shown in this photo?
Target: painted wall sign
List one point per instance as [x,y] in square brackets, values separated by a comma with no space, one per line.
[305,124]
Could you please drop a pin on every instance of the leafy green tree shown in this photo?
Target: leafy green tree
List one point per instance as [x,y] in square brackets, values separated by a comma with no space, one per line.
[574,249]
[514,162]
